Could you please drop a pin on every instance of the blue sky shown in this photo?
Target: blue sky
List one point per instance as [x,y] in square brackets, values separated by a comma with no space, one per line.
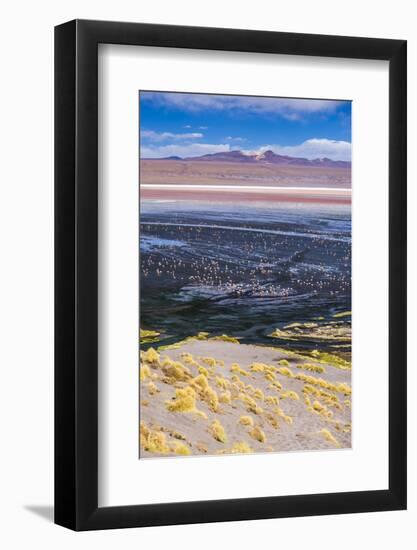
[196,124]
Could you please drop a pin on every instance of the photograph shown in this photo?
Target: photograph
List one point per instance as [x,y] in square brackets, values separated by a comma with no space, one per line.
[207,245]
[245,274]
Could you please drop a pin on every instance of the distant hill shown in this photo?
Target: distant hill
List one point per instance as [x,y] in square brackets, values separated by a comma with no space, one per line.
[229,156]
[268,157]
[272,158]
[173,157]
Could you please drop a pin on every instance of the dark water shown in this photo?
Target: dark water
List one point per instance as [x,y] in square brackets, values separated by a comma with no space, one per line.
[242,269]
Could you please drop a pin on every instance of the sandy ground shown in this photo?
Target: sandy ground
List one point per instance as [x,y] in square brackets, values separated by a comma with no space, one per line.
[229,173]
[244,381]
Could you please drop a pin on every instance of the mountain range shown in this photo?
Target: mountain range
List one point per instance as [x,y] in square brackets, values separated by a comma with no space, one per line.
[267,157]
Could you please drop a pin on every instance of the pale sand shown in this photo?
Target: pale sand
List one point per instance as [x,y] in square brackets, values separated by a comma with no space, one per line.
[234,173]
[302,434]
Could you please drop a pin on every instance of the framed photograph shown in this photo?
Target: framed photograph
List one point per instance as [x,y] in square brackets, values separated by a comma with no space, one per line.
[230,275]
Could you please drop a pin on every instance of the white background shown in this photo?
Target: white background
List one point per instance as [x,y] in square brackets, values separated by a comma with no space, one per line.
[122,478]
[26,401]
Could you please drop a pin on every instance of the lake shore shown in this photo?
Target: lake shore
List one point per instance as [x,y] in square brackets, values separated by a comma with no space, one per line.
[209,396]
[244,193]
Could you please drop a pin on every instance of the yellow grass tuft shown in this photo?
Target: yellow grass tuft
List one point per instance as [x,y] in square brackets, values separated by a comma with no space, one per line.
[317,406]
[144,430]
[270,368]
[218,432]
[246,420]
[151,356]
[175,370]
[211,398]
[272,420]
[312,368]
[235,367]
[284,363]
[222,383]
[285,371]
[225,397]
[152,388]
[272,400]
[250,403]
[290,395]
[328,436]
[153,441]
[259,394]
[321,409]
[241,448]
[205,391]
[344,388]
[235,390]
[203,371]
[210,361]
[258,434]
[181,449]
[189,359]
[145,372]
[276,385]
[270,376]
[258,367]
[156,443]
[184,401]
[236,380]
[287,419]
[200,382]
[308,388]
[311,380]
[247,399]
[329,399]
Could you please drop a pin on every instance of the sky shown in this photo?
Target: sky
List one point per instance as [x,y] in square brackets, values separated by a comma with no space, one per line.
[187,125]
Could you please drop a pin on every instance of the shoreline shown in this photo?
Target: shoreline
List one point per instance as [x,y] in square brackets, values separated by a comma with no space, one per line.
[180,172]
[247,193]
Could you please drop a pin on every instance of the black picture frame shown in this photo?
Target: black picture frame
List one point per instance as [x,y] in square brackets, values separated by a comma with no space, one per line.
[76,272]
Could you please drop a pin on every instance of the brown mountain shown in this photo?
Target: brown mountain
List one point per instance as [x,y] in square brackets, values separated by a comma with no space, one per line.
[268,157]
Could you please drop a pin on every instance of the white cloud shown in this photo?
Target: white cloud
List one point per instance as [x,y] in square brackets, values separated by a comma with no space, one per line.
[163,136]
[237,138]
[312,149]
[187,150]
[289,108]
